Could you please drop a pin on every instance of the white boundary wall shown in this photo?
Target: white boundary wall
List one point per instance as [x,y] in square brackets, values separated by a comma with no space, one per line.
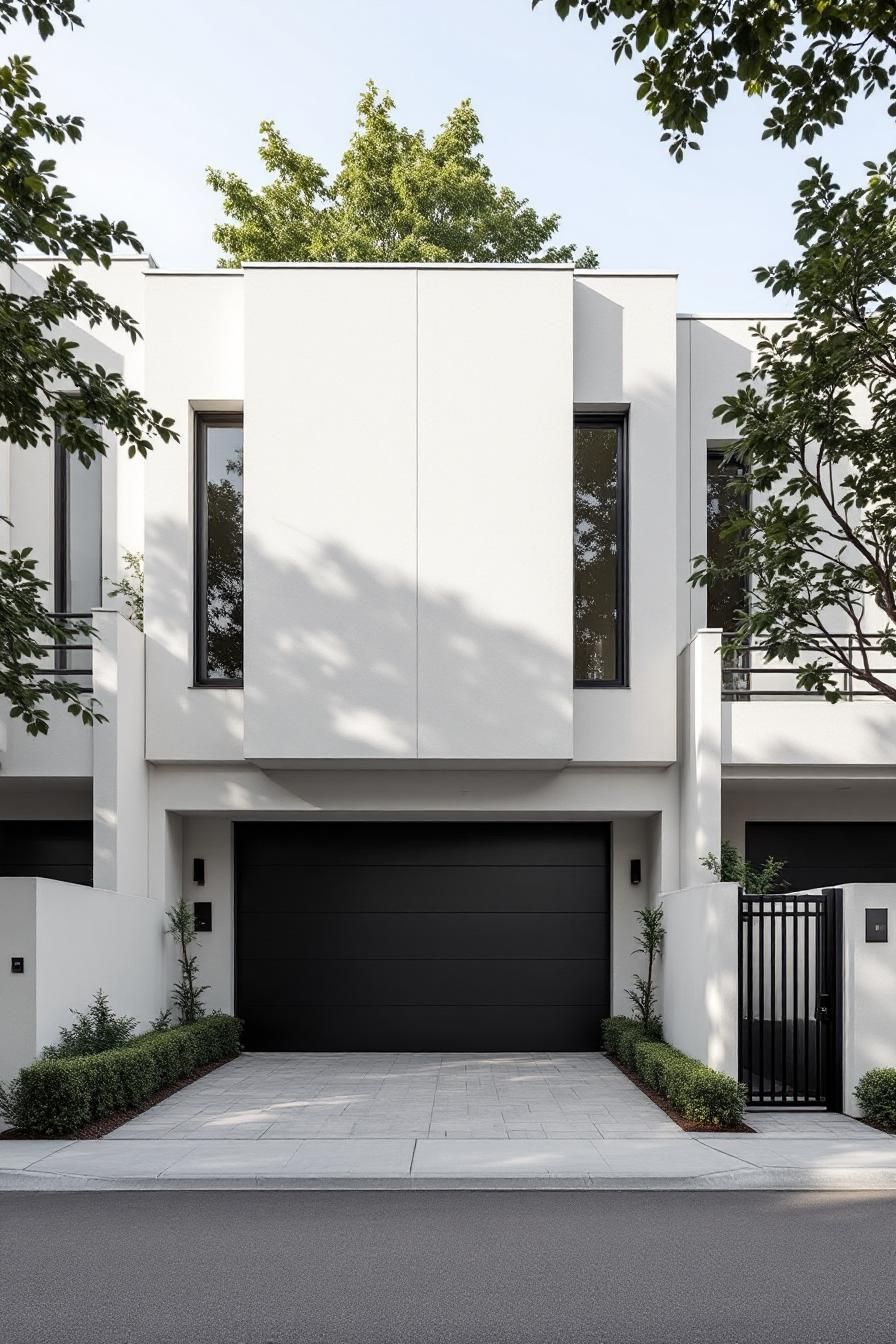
[75,940]
[869,988]
[698,974]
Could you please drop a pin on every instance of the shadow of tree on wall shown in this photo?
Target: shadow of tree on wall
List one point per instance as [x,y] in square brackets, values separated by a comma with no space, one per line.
[358,662]
[344,660]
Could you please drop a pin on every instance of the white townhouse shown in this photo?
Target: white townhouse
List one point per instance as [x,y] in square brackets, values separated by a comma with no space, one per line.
[424,708]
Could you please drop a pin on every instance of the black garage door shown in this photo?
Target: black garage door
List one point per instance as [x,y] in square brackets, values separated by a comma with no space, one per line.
[825,853]
[59,849]
[369,936]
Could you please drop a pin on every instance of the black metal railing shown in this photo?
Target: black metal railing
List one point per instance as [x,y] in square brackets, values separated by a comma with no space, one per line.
[753,674]
[70,660]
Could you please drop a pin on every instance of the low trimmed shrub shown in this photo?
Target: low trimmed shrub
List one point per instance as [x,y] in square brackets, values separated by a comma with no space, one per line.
[92,1031]
[697,1092]
[59,1096]
[876,1094]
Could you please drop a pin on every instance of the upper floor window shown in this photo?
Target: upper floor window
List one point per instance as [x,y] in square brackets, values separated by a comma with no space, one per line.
[78,562]
[219,549]
[599,550]
[723,600]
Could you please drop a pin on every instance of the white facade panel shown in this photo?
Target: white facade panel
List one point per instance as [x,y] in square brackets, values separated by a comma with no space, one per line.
[495,514]
[625,355]
[194,355]
[330,514]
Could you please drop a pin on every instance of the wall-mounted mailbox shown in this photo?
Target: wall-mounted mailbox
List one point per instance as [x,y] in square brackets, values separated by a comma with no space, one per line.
[17,966]
[202,916]
[876,926]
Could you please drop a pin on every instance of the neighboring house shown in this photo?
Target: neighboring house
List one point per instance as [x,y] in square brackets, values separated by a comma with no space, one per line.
[425,708]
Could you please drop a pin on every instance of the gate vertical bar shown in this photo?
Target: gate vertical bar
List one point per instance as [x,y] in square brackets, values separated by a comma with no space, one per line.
[761,1002]
[821,986]
[752,1073]
[784,1074]
[806,967]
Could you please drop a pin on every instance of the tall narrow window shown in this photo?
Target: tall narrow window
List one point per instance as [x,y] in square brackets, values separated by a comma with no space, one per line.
[219,549]
[79,530]
[599,557]
[723,600]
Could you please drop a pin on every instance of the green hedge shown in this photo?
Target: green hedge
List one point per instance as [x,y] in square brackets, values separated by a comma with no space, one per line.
[697,1092]
[876,1094]
[59,1096]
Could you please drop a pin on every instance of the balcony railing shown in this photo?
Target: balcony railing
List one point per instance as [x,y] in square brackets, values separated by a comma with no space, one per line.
[752,674]
[70,661]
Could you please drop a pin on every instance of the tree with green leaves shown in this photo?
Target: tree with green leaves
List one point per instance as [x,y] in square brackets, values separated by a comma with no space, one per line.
[187,993]
[394,198]
[811,534]
[648,942]
[48,391]
[730,866]
[809,57]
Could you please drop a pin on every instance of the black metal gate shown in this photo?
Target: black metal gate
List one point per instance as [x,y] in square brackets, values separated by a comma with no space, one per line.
[790,1019]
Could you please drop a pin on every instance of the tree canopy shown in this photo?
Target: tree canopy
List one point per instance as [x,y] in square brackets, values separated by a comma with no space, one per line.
[813,532]
[809,57]
[394,198]
[48,392]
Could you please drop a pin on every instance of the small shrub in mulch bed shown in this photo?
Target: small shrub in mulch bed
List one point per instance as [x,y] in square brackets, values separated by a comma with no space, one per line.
[82,1095]
[697,1097]
[876,1094]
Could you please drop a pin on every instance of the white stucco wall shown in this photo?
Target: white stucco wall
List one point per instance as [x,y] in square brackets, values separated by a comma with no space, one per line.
[18,993]
[869,988]
[193,329]
[408,513]
[699,751]
[625,354]
[699,973]
[120,785]
[75,940]
[330,482]
[211,839]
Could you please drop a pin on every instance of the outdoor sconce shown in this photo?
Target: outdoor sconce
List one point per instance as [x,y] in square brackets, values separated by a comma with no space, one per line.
[17,965]
[199,872]
[635,869]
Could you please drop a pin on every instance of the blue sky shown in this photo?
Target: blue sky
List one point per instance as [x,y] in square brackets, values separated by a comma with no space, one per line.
[170,86]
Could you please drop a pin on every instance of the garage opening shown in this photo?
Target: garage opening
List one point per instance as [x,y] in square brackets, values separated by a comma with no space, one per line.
[422,936]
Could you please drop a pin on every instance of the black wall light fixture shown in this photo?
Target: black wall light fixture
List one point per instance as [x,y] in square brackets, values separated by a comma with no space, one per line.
[199,872]
[635,871]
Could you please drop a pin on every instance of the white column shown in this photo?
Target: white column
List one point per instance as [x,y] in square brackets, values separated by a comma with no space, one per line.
[119,759]
[700,754]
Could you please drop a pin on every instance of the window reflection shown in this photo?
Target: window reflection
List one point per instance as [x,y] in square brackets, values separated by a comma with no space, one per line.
[597,551]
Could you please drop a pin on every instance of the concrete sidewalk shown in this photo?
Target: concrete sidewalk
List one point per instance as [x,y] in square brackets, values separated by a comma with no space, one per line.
[865,1161]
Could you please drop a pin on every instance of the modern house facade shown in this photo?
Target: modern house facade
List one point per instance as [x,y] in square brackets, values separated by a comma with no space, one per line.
[424,708]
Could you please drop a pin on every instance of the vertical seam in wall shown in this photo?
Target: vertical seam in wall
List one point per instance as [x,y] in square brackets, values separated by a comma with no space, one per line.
[417,697]
[691,590]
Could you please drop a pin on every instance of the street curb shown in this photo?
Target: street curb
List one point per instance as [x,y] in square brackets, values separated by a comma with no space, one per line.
[831,1179]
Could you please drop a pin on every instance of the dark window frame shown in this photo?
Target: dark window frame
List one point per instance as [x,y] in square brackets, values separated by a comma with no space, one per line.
[62,464]
[201,423]
[620,423]
[716,452]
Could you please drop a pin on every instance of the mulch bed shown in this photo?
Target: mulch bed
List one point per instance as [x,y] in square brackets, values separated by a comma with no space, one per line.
[98,1129]
[872,1124]
[692,1126]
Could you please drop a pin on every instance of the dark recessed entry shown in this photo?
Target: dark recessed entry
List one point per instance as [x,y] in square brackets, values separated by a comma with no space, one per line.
[59,849]
[825,853]
[443,937]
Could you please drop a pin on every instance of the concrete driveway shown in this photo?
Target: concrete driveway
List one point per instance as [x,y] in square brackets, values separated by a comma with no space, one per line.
[407,1096]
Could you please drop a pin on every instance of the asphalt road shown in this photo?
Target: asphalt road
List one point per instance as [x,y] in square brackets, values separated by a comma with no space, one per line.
[425,1267]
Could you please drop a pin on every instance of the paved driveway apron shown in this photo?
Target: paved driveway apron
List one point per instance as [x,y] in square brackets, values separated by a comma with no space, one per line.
[412,1096]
